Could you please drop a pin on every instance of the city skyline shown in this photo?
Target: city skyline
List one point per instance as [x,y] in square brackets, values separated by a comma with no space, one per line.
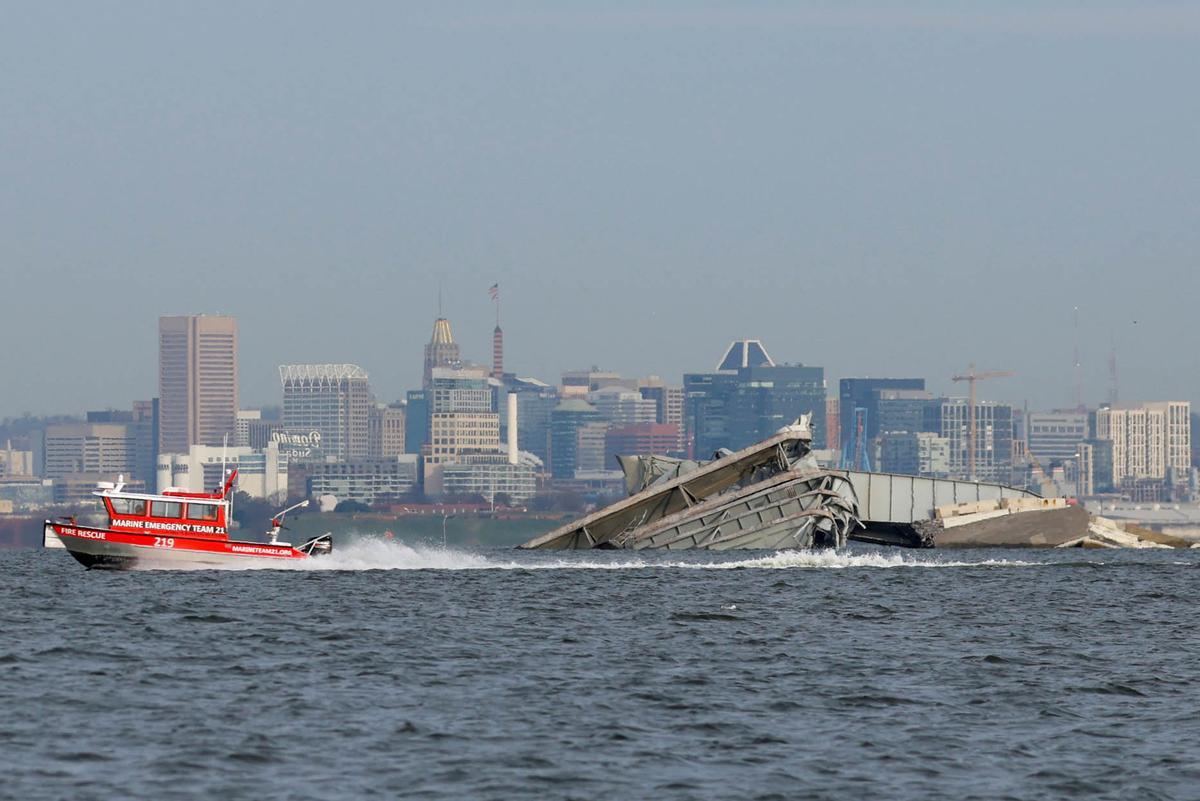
[407,361]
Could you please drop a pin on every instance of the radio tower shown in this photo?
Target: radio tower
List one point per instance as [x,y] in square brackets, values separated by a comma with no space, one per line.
[1112,373]
[497,337]
[1078,368]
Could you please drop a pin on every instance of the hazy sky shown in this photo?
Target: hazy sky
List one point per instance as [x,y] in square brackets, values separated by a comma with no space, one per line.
[878,188]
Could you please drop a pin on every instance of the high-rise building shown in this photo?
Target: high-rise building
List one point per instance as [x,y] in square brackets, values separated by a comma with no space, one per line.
[771,397]
[535,401]
[386,426]
[261,432]
[590,439]
[416,421]
[904,410]
[142,427]
[740,405]
[1095,467]
[1195,441]
[144,423]
[914,453]
[621,406]
[1149,441]
[1054,437]
[441,351]
[464,454]
[565,421]
[708,409]
[864,393]
[197,381]
[993,439]
[454,435]
[245,417]
[95,449]
[833,423]
[671,414]
[462,416]
[1085,470]
[462,389]
[333,400]
[668,402]
[640,440]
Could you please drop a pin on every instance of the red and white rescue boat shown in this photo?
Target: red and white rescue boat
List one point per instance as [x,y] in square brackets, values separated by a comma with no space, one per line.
[172,529]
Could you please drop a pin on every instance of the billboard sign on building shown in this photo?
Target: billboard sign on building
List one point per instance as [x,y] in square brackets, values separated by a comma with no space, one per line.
[298,444]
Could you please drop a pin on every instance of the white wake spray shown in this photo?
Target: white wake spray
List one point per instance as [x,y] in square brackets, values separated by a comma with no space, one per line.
[841,559]
[377,554]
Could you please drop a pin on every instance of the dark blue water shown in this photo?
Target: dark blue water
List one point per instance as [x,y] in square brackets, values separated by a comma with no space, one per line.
[500,675]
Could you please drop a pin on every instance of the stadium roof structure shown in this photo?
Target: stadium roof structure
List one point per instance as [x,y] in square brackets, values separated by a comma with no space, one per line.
[320,372]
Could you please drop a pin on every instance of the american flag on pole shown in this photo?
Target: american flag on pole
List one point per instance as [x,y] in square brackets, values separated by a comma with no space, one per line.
[494,291]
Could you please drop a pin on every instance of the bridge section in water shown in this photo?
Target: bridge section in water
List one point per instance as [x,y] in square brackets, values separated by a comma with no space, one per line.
[889,504]
[772,494]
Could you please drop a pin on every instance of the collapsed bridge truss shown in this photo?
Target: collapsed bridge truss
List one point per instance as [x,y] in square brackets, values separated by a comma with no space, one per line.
[769,495]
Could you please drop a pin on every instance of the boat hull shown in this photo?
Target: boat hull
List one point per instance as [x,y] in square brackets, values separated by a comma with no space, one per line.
[122,550]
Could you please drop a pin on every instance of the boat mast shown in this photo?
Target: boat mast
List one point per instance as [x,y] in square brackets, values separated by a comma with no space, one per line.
[224,449]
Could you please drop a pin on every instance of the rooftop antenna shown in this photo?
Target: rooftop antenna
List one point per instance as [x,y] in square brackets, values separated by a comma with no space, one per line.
[440,315]
[224,448]
[1112,370]
[1078,370]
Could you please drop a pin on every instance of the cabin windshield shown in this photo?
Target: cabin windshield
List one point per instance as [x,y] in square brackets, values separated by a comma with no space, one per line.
[128,506]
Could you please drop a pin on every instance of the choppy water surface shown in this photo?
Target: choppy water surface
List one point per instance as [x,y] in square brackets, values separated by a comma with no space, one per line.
[389,671]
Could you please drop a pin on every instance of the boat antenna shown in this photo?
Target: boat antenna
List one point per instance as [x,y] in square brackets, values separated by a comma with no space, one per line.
[224,448]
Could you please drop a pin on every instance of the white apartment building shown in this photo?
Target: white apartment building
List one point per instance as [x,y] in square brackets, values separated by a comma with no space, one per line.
[1148,440]
[455,434]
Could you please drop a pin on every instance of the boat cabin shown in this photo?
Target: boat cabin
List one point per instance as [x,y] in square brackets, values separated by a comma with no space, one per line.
[174,512]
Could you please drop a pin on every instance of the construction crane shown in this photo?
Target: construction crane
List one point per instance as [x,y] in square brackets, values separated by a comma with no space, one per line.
[972,435]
